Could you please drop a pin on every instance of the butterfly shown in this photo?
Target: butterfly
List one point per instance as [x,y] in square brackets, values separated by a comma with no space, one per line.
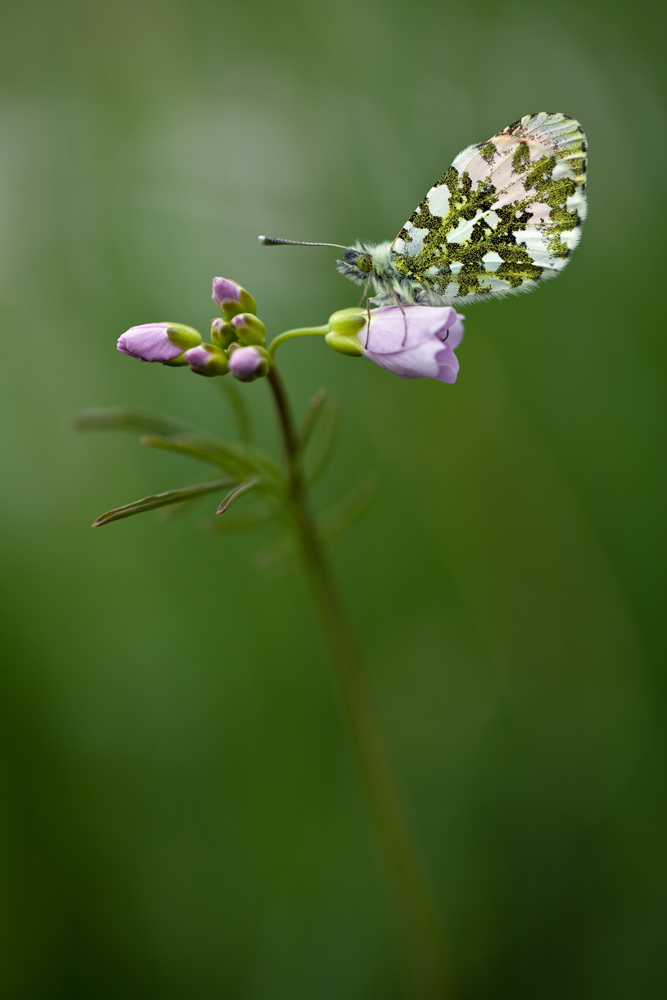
[506,215]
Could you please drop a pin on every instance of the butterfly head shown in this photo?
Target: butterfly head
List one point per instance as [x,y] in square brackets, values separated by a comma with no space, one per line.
[364,262]
[369,264]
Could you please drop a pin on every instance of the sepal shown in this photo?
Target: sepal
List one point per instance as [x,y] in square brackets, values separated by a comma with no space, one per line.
[249,330]
[222,333]
[183,336]
[344,327]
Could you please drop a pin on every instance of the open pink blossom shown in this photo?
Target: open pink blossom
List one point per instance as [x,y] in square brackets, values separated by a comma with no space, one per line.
[414,341]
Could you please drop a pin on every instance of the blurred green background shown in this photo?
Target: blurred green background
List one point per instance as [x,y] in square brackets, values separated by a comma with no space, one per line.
[180,813]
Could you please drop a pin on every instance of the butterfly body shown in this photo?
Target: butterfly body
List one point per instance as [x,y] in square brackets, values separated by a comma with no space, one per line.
[504,216]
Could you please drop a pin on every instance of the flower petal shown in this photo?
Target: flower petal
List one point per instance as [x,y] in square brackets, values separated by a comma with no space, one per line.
[456,332]
[396,328]
[149,342]
[423,361]
[244,362]
[225,290]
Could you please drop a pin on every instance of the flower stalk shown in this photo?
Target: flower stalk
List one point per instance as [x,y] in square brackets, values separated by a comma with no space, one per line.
[411,341]
[415,912]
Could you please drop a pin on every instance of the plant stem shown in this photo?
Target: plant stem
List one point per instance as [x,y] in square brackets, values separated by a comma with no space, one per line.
[418,923]
[303,331]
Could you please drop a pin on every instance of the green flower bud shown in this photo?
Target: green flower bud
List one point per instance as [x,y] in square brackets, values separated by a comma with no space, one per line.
[344,326]
[222,333]
[249,330]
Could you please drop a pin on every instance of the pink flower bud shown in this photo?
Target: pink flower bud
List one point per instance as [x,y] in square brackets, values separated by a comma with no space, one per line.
[414,341]
[207,359]
[231,298]
[248,363]
[163,342]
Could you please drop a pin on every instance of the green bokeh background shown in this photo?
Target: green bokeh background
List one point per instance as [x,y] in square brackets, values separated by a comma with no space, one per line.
[180,813]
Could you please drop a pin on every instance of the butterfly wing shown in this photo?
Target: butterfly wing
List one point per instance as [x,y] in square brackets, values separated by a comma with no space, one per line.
[505,215]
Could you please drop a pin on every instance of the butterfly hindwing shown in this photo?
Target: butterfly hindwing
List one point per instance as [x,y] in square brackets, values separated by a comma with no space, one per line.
[505,215]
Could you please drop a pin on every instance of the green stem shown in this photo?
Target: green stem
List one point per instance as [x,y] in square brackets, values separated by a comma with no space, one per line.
[304,331]
[418,923]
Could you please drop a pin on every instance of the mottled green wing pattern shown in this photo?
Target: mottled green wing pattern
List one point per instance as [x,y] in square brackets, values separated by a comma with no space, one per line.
[505,215]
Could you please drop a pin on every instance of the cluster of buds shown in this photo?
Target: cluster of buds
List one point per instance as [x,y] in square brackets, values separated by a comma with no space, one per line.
[411,341]
[238,339]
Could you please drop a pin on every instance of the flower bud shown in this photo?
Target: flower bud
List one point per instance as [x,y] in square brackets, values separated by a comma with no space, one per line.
[163,342]
[249,329]
[344,326]
[207,359]
[222,333]
[231,299]
[248,363]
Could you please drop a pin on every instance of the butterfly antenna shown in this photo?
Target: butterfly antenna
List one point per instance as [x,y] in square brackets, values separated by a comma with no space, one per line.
[271,241]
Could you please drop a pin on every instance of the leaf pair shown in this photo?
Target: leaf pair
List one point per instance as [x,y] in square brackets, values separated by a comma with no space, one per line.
[161,500]
[247,468]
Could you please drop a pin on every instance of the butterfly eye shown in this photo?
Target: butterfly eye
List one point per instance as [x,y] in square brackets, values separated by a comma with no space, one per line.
[364,262]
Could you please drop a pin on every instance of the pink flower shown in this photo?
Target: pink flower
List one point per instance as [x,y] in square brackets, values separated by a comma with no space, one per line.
[414,341]
[161,342]
[247,363]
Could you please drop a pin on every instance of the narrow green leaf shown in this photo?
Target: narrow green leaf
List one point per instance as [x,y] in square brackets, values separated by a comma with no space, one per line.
[314,410]
[237,492]
[206,450]
[160,500]
[135,419]
[238,459]
[247,518]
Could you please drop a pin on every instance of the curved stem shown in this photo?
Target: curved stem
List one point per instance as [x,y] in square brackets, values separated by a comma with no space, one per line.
[411,897]
[305,331]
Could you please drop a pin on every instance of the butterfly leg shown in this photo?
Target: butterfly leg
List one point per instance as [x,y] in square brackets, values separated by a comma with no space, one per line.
[364,293]
[405,322]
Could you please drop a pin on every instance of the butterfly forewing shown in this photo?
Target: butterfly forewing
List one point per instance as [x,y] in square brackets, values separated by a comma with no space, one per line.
[505,215]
